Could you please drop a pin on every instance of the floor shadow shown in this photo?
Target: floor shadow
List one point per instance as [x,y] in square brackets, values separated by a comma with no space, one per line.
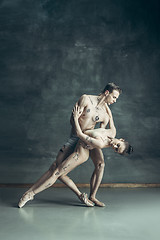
[10,198]
[64,202]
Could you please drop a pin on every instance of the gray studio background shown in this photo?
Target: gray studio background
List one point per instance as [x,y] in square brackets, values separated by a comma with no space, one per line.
[52,52]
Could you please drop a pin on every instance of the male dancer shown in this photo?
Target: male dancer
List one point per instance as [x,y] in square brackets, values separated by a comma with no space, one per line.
[93,110]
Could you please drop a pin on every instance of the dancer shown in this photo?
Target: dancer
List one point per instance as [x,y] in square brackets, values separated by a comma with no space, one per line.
[89,139]
[93,111]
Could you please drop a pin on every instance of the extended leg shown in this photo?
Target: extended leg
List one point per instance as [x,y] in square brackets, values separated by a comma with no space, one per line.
[62,155]
[29,195]
[63,168]
[98,160]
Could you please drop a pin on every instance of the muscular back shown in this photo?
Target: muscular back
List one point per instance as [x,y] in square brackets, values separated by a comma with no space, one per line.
[91,113]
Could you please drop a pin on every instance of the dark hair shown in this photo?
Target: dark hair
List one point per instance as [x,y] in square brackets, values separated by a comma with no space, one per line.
[110,87]
[128,149]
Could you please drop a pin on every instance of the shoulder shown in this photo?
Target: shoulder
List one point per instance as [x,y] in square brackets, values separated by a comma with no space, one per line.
[84,96]
[86,99]
[83,99]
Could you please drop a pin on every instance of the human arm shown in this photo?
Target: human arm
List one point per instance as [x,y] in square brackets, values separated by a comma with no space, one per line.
[93,142]
[82,103]
[112,127]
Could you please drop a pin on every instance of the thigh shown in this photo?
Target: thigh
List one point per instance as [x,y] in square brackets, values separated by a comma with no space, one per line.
[67,149]
[96,155]
[61,156]
[71,162]
[63,153]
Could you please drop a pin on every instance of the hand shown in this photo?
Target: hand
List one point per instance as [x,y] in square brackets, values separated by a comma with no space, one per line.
[76,111]
[86,146]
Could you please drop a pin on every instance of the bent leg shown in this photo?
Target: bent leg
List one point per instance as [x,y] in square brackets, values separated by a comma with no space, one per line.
[74,160]
[82,196]
[98,160]
[69,183]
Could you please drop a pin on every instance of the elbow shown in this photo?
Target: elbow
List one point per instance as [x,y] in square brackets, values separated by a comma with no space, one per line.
[100,145]
[78,134]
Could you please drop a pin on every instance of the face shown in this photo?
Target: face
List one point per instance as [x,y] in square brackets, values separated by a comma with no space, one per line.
[118,145]
[111,97]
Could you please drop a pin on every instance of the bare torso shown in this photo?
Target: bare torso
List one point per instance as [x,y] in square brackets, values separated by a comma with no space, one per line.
[92,113]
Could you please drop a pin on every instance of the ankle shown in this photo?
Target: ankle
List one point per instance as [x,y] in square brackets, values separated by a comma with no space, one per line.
[30,193]
[92,197]
[79,195]
[33,193]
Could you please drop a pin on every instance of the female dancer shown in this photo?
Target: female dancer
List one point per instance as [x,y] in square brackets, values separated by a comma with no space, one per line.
[94,138]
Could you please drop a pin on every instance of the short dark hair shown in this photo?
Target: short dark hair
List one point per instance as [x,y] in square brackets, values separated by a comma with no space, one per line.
[110,87]
[128,148]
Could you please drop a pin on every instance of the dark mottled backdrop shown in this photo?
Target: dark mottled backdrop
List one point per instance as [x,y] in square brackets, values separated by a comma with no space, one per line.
[53,51]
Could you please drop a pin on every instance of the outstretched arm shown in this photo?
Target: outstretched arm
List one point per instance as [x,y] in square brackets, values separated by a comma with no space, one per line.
[92,142]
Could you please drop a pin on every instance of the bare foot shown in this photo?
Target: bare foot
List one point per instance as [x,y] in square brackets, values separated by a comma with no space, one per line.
[97,202]
[84,199]
[25,198]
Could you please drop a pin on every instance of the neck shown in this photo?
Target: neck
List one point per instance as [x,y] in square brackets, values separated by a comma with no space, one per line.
[101,99]
[110,139]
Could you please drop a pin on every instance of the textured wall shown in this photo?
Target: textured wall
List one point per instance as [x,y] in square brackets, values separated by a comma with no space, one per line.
[53,51]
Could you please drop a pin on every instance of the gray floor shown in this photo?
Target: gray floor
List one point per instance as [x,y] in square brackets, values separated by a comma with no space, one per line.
[57,214]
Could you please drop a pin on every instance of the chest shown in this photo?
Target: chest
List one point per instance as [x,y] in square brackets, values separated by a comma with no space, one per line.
[99,132]
[95,114]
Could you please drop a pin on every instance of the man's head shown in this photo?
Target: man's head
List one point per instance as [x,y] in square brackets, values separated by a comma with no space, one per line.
[112,92]
[121,146]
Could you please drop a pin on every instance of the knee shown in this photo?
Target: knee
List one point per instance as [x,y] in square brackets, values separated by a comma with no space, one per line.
[62,177]
[52,167]
[54,171]
[62,149]
[100,165]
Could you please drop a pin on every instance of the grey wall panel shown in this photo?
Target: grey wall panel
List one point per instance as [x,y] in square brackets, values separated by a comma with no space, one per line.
[54,51]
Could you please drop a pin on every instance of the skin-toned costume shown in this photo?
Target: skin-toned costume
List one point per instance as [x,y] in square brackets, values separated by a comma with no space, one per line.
[71,143]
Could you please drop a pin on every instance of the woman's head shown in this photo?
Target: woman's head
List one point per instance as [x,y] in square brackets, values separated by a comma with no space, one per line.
[121,146]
